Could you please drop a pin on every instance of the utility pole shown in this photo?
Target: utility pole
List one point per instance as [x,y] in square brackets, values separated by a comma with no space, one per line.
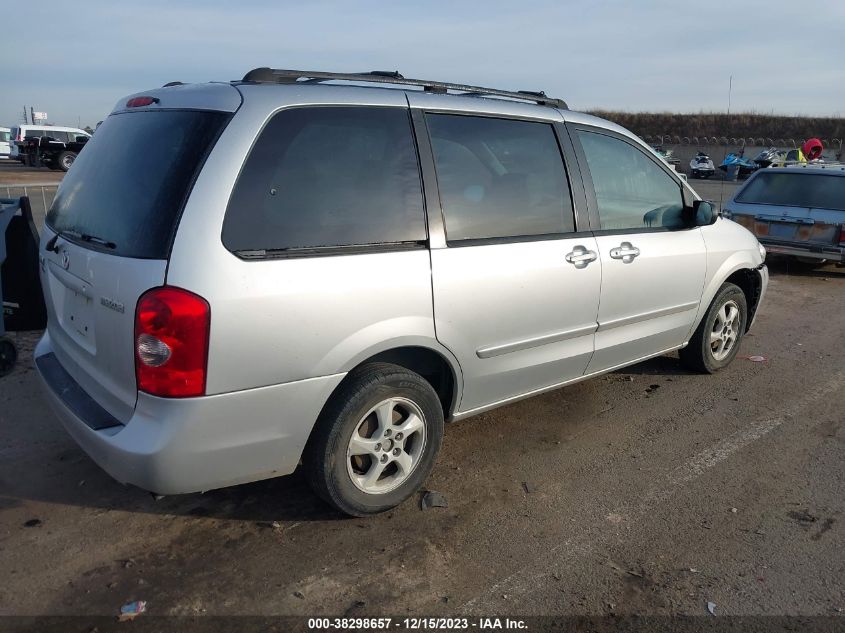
[730,89]
[32,114]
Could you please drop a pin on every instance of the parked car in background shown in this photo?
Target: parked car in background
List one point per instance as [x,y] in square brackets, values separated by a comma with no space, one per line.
[244,276]
[49,152]
[797,211]
[5,148]
[56,132]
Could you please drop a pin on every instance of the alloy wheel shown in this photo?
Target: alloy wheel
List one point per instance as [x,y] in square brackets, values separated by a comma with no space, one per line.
[386,446]
[725,331]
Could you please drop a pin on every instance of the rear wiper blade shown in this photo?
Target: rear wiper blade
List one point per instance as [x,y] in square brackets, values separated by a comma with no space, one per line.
[82,237]
[85,237]
[65,233]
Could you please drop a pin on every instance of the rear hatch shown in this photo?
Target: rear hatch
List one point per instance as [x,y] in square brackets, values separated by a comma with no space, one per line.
[794,208]
[108,237]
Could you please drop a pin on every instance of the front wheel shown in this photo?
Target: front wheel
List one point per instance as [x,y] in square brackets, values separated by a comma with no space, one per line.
[716,341]
[376,441]
[65,160]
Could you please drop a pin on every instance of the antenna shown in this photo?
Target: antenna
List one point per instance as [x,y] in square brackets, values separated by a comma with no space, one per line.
[722,188]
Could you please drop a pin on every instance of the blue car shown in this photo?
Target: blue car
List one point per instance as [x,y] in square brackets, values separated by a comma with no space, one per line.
[797,211]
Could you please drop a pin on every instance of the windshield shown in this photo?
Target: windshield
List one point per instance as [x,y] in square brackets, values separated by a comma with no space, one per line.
[819,191]
[130,181]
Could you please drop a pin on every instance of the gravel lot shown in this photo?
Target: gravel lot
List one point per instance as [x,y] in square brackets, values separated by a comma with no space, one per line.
[650,491]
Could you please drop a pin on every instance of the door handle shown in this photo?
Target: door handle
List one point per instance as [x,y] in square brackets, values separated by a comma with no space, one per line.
[580,257]
[625,251]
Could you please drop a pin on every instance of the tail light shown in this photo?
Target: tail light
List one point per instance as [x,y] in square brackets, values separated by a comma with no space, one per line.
[842,235]
[171,342]
[138,102]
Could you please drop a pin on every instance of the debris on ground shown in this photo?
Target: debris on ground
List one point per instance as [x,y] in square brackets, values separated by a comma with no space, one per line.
[299,594]
[692,570]
[444,599]
[132,610]
[755,359]
[711,607]
[734,510]
[616,566]
[127,563]
[32,523]
[358,604]
[433,499]
[652,388]
[803,517]
[528,487]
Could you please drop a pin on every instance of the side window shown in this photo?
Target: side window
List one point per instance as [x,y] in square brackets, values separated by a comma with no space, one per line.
[631,190]
[328,176]
[499,177]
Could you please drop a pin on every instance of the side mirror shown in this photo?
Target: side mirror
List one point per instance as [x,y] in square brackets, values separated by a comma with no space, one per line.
[704,213]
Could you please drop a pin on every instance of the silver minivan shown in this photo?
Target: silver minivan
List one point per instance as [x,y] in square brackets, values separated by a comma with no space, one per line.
[320,269]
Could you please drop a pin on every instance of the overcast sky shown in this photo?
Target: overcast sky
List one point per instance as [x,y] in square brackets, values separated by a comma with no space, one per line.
[74,60]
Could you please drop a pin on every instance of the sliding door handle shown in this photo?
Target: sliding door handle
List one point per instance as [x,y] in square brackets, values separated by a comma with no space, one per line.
[580,257]
[625,251]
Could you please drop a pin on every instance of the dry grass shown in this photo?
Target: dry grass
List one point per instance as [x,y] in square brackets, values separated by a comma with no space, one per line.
[740,125]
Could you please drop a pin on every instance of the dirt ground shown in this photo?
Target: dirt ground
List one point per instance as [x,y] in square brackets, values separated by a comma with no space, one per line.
[13,172]
[651,491]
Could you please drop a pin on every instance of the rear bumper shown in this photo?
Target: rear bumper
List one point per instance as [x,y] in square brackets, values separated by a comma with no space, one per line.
[811,251]
[173,446]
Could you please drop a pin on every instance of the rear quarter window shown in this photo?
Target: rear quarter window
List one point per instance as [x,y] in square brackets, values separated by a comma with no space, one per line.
[328,177]
[131,181]
[820,191]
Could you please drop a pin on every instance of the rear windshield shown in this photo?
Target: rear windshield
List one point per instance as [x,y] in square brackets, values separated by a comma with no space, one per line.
[818,191]
[130,181]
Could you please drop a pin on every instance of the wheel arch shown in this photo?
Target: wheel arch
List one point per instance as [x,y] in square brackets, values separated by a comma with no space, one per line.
[428,359]
[737,270]
[751,284]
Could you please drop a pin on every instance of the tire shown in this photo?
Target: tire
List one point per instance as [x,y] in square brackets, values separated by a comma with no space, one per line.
[8,356]
[807,263]
[65,160]
[340,477]
[703,353]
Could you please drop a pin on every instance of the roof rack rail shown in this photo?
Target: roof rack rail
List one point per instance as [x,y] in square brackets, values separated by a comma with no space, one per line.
[282,76]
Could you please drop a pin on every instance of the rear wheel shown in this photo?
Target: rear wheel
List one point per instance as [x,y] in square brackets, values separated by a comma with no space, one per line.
[716,341]
[808,263]
[65,160]
[376,441]
[8,356]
